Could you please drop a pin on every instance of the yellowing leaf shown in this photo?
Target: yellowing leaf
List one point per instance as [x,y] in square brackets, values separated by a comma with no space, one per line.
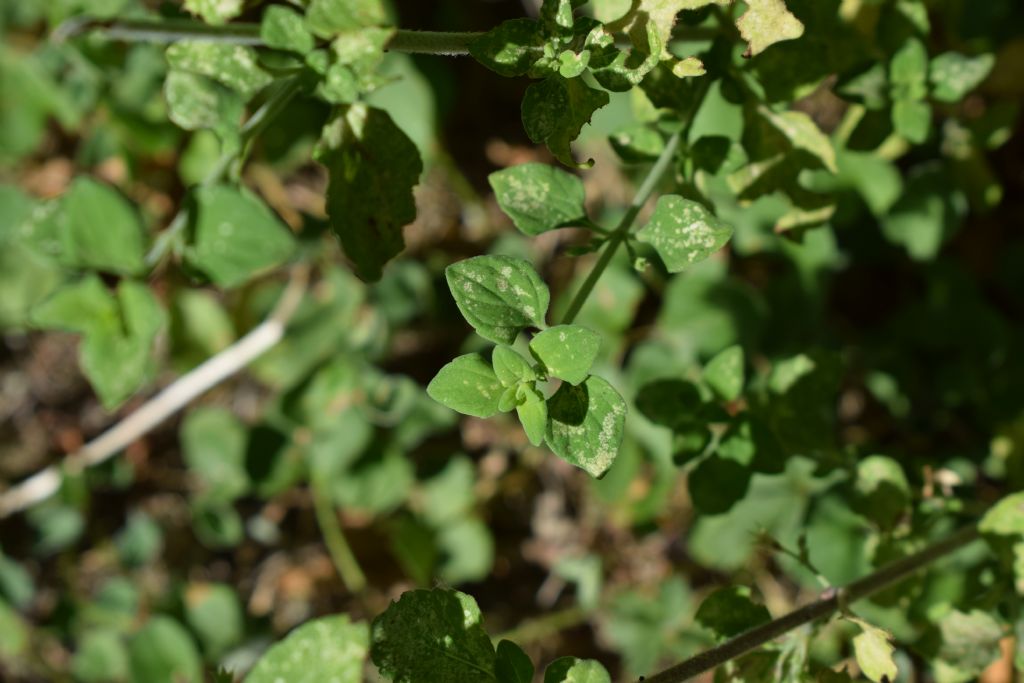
[767,22]
[874,653]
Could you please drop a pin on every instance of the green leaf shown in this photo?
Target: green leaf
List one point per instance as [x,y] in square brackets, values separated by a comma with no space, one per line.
[104,232]
[533,414]
[683,232]
[101,656]
[511,664]
[567,351]
[656,15]
[510,367]
[724,373]
[882,491]
[331,648]
[373,168]
[874,653]
[1006,518]
[717,484]
[467,385]
[511,48]
[730,611]
[432,636]
[283,28]
[234,66]
[498,295]
[467,550]
[214,11]
[585,424]
[448,495]
[574,670]
[116,354]
[953,75]
[140,541]
[539,197]
[555,111]
[213,444]
[912,119]
[803,133]
[329,17]
[214,611]
[163,652]
[969,643]
[196,102]
[767,22]
[235,236]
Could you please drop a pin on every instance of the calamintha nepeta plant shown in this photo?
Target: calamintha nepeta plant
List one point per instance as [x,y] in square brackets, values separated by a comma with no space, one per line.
[717,148]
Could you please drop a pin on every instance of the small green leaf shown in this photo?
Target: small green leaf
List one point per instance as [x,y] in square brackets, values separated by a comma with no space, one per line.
[730,611]
[512,665]
[235,236]
[585,424]
[213,445]
[683,232]
[235,66]
[912,119]
[467,385]
[214,11]
[968,644]
[432,636]
[214,612]
[724,373]
[567,351]
[511,48]
[104,232]
[373,168]
[953,75]
[331,648]
[196,102]
[767,22]
[717,484]
[282,28]
[510,367]
[533,414]
[1006,518]
[327,18]
[539,197]
[555,111]
[874,653]
[101,656]
[881,490]
[164,652]
[574,670]
[803,133]
[498,295]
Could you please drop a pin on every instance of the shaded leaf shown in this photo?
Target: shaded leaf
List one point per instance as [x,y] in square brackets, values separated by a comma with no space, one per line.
[585,424]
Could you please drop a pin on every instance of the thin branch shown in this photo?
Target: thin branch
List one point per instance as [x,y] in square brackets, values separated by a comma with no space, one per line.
[344,559]
[174,30]
[621,231]
[829,604]
[176,396]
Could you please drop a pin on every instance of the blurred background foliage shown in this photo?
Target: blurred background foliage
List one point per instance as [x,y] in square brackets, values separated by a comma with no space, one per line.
[894,328]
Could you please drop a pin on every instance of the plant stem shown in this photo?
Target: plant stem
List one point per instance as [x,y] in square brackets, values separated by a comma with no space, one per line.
[334,538]
[431,42]
[545,626]
[831,602]
[621,231]
[174,30]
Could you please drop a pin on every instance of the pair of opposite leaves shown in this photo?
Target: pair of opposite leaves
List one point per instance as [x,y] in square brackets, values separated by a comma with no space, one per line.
[500,296]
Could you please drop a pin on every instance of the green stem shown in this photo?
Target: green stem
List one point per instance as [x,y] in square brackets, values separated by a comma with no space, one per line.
[832,602]
[174,30]
[621,232]
[546,626]
[341,553]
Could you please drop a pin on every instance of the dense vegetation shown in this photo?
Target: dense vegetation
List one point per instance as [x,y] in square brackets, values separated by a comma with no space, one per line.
[556,340]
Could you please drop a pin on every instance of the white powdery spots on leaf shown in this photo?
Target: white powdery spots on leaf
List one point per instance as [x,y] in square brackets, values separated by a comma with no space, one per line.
[683,232]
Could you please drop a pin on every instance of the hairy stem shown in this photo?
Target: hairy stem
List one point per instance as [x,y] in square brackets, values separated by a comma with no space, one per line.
[830,603]
[334,538]
[621,231]
[174,30]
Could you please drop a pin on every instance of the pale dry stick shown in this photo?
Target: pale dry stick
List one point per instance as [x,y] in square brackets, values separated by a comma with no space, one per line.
[176,396]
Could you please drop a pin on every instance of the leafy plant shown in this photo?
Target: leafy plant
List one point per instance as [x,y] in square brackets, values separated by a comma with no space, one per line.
[788,361]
